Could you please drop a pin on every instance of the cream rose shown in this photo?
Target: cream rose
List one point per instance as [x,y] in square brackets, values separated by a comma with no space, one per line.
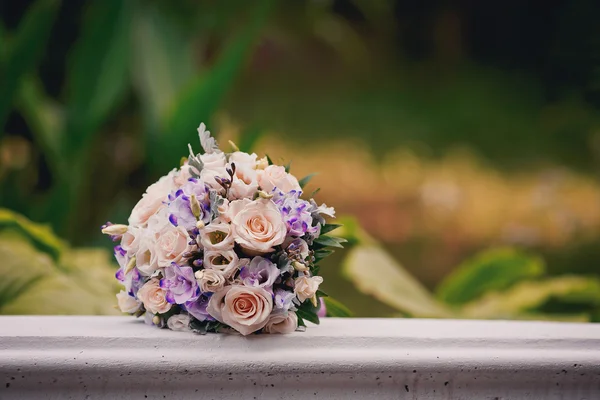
[226,262]
[305,287]
[152,200]
[210,280]
[245,309]
[282,322]
[257,225]
[145,256]
[179,322]
[172,242]
[214,165]
[243,160]
[274,176]
[130,241]
[153,297]
[244,184]
[217,236]
[127,303]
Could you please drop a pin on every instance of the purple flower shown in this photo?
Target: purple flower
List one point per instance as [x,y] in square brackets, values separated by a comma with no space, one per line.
[180,284]
[259,273]
[295,212]
[283,299]
[179,207]
[322,309]
[197,308]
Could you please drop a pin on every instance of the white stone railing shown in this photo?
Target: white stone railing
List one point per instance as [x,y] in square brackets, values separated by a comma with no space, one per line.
[120,357]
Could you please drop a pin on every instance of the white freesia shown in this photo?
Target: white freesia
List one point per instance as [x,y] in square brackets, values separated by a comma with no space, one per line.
[246,309]
[217,236]
[274,176]
[281,322]
[210,280]
[257,225]
[153,297]
[152,200]
[127,303]
[179,322]
[306,287]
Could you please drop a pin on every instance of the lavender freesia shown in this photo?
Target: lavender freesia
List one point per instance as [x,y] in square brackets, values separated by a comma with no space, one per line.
[180,284]
[295,212]
[180,208]
[259,273]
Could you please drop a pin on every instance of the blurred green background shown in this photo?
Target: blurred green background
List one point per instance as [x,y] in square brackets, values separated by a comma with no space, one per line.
[458,141]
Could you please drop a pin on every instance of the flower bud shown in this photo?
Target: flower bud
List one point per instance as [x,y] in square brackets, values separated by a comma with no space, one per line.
[264,195]
[195,206]
[313,300]
[156,320]
[130,265]
[233,146]
[298,266]
[200,224]
[116,229]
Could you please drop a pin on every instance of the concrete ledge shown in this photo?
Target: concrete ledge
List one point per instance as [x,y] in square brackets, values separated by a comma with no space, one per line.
[120,357]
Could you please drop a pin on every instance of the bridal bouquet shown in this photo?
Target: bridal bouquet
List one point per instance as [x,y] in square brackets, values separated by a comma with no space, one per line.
[224,242]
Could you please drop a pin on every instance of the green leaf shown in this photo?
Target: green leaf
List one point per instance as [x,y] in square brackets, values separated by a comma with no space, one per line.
[330,241]
[269,159]
[41,236]
[97,77]
[336,309]
[322,253]
[571,297]
[321,293]
[288,167]
[491,270]
[308,315]
[200,100]
[376,273]
[304,181]
[329,227]
[249,138]
[25,50]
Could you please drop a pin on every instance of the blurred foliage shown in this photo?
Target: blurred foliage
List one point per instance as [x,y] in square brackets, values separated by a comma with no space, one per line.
[495,284]
[42,275]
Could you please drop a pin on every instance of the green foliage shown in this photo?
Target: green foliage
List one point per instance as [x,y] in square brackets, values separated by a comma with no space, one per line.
[336,309]
[330,241]
[25,50]
[308,312]
[304,181]
[41,275]
[492,270]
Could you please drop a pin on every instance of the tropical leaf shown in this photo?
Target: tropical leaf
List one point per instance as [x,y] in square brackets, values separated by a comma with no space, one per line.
[25,50]
[528,299]
[491,270]
[41,236]
[376,273]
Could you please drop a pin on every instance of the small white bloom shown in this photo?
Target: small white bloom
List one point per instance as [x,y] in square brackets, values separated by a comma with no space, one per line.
[210,280]
[274,176]
[127,303]
[217,236]
[227,262]
[281,322]
[131,239]
[179,322]
[305,287]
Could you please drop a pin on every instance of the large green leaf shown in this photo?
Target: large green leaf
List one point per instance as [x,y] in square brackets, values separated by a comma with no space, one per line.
[376,273]
[491,270]
[528,300]
[97,77]
[201,99]
[40,235]
[25,50]
[336,309]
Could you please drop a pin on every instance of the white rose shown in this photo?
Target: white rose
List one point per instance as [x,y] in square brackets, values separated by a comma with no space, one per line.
[226,262]
[127,303]
[210,280]
[172,242]
[214,160]
[274,176]
[257,225]
[306,287]
[244,184]
[179,322]
[153,297]
[245,309]
[214,165]
[224,211]
[243,160]
[152,200]
[130,241]
[282,322]
[217,236]
[145,256]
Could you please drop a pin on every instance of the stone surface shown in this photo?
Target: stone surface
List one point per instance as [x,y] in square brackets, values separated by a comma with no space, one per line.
[120,357]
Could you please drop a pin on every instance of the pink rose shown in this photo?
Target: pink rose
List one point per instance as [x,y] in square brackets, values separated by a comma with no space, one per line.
[245,309]
[274,176]
[153,297]
[152,200]
[282,322]
[171,244]
[257,225]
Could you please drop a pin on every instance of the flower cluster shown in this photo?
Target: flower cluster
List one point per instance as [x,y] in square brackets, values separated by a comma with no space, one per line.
[224,242]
